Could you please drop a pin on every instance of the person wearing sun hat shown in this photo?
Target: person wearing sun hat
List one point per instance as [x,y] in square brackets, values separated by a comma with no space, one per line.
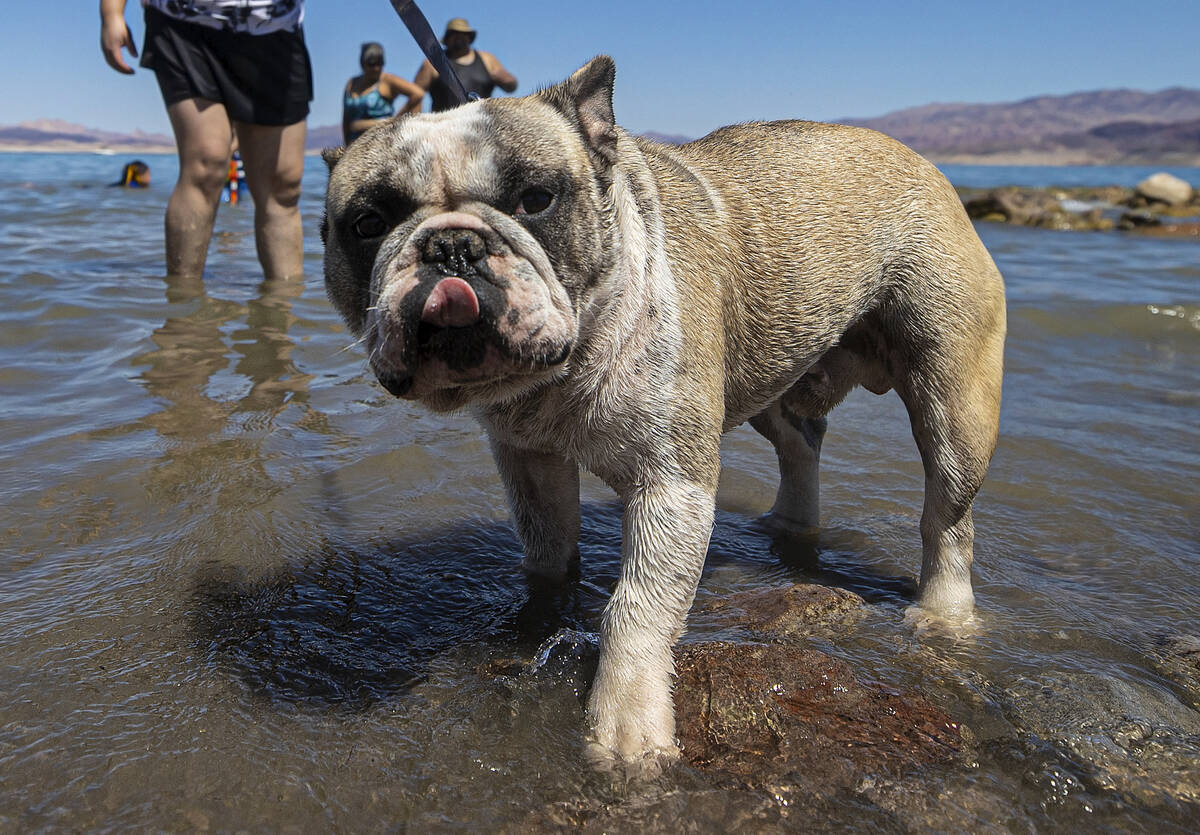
[480,72]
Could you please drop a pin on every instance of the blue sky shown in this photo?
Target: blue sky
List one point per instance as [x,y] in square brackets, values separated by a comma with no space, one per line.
[682,68]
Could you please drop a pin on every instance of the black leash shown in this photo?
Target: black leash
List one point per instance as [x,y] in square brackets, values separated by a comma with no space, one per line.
[419,28]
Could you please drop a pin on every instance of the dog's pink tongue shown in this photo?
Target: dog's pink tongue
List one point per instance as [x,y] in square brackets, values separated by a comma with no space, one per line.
[452,304]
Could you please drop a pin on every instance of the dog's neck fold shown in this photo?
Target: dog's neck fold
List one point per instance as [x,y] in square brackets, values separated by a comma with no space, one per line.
[636,306]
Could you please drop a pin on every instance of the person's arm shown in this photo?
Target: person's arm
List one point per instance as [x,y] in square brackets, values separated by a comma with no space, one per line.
[347,127]
[115,35]
[391,86]
[425,77]
[505,80]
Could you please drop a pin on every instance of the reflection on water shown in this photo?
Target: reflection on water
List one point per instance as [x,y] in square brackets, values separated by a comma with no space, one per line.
[244,589]
[191,350]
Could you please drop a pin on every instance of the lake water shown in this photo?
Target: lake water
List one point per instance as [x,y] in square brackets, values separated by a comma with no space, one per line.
[1047,176]
[242,588]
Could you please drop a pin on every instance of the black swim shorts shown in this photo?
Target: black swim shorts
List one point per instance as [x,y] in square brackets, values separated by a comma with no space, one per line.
[261,79]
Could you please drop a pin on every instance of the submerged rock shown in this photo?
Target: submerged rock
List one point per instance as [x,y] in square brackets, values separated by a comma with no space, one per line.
[786,612]
[775,735]
[1148,223]
[1168,230]
[1178,657]
[720,810]
[771,715]
[1126,738]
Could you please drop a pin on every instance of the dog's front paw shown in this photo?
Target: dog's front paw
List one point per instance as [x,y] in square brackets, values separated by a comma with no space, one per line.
[633,724]
[643,768]
[958,623]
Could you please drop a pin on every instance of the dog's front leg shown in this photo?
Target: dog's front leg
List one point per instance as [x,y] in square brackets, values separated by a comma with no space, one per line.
[666,528]
[543,495]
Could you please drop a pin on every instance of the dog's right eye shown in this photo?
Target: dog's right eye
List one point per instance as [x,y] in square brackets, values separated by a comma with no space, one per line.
[369,225]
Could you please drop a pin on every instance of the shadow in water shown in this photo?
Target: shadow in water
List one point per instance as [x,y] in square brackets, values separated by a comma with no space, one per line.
[828,557]
[354,625]
[833,559]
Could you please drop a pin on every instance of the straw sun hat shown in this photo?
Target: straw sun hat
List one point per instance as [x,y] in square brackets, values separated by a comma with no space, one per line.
[459,24]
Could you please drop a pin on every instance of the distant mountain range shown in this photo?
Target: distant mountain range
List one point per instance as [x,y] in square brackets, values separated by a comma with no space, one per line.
[1103,127]
[57,135]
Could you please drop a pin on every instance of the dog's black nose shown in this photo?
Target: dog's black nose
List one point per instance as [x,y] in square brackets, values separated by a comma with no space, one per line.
[396,384]
[454,251]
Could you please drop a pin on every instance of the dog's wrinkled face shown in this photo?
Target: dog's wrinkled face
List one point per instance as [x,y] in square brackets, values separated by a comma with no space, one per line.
[459,245]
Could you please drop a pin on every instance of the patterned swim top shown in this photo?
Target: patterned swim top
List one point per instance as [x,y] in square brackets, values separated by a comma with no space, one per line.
[255,17]
[368,105]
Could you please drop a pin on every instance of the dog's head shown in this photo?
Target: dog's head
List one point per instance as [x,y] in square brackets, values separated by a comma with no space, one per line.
[461,246]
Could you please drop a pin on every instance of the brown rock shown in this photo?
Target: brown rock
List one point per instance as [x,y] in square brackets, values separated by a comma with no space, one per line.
[758,713]
[1186,648]
[1189,210]
[1026,207]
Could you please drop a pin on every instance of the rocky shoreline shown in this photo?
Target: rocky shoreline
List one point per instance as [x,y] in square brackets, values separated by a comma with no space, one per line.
[1161,205]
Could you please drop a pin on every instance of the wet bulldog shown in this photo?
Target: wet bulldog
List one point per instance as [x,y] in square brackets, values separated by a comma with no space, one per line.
[598,300]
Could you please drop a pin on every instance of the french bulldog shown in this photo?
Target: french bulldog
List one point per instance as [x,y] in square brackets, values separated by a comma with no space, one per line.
[602,301]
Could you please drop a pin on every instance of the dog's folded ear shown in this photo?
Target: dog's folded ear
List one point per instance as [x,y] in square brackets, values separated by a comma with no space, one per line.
[332,156]
[586,98]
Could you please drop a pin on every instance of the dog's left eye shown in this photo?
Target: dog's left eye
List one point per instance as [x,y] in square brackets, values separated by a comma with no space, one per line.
[534,201]
[369,226]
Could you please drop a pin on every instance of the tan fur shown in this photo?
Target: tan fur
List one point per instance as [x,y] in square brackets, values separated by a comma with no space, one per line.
[758,274]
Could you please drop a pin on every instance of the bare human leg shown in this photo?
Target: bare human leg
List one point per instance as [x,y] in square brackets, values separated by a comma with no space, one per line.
[202,137]
[274,158]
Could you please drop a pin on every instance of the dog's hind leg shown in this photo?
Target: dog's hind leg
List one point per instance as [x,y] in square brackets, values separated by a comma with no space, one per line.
[543,495]
[951,387]
[795,425]
[797,442]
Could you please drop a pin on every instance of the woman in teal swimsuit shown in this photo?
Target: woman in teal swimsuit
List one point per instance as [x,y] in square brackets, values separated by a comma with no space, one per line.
[368,97]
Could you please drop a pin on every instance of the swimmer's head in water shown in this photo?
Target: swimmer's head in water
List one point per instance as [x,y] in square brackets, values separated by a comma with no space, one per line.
[135,174]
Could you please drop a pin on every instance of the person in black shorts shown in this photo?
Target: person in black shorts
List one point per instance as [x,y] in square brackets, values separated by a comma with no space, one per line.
[480,72]
[223,67]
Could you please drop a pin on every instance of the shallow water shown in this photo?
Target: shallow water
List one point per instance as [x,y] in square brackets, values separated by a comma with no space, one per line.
[243,588]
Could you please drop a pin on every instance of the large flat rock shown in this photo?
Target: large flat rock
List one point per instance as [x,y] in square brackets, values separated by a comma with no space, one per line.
[761,713]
